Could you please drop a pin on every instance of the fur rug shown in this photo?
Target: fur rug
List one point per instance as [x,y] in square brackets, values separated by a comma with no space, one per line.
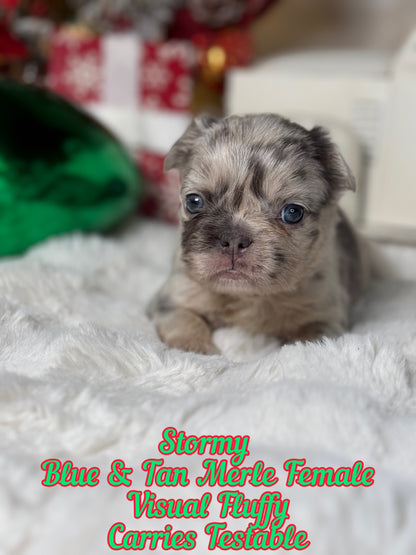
[84,378]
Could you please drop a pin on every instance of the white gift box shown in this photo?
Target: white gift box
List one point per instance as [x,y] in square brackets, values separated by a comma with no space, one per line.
[367,100]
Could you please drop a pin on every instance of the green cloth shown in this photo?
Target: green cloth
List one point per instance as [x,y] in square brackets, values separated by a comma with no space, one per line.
[60,170]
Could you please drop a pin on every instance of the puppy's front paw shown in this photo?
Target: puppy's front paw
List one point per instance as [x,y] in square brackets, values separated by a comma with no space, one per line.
[185,330]
[195,344]
[315,331]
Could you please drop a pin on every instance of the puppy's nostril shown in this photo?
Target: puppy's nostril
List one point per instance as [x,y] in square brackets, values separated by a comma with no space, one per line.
[235,244]
[244,242]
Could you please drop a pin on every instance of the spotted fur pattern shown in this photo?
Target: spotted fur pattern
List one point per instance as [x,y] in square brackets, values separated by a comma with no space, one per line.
[239,262]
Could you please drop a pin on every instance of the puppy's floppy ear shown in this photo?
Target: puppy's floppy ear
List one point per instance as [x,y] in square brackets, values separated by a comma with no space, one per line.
[336,171]
[179,154]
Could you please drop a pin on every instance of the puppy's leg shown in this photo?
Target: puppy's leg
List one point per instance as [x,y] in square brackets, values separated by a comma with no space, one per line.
[182,329]
[315,331]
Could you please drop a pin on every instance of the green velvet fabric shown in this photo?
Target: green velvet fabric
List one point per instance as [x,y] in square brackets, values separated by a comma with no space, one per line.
[60,170]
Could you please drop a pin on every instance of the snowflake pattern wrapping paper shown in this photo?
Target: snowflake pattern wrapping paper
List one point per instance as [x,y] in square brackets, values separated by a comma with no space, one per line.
[142,90]
[162,200]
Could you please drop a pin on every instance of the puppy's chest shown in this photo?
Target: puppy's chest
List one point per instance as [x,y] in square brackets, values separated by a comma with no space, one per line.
[269,315]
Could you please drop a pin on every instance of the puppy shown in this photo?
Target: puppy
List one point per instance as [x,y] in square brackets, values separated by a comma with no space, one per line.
[264,245]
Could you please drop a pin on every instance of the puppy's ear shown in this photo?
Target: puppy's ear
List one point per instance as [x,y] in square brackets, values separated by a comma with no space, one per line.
[179,154]
[336,171]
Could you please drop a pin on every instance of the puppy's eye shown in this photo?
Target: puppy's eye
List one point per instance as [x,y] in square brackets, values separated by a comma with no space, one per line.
[194,203]
[292,213]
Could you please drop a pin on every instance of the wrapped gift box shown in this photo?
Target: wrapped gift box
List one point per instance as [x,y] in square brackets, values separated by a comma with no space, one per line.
[141,90]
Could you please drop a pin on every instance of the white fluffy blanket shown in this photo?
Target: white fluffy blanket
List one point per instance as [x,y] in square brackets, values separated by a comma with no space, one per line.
[84,378]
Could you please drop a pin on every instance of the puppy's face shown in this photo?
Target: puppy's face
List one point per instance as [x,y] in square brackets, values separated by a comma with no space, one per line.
[258,201]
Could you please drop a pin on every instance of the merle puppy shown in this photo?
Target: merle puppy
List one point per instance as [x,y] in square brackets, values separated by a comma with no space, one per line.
[264,245]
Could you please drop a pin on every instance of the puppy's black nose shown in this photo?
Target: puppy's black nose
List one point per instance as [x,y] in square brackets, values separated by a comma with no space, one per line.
[231,244]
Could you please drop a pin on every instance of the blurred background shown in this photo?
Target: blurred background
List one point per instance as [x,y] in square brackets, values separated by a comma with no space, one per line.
[144,68]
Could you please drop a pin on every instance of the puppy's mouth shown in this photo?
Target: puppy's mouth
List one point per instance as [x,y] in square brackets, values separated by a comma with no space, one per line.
[225,274]
[232,274]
